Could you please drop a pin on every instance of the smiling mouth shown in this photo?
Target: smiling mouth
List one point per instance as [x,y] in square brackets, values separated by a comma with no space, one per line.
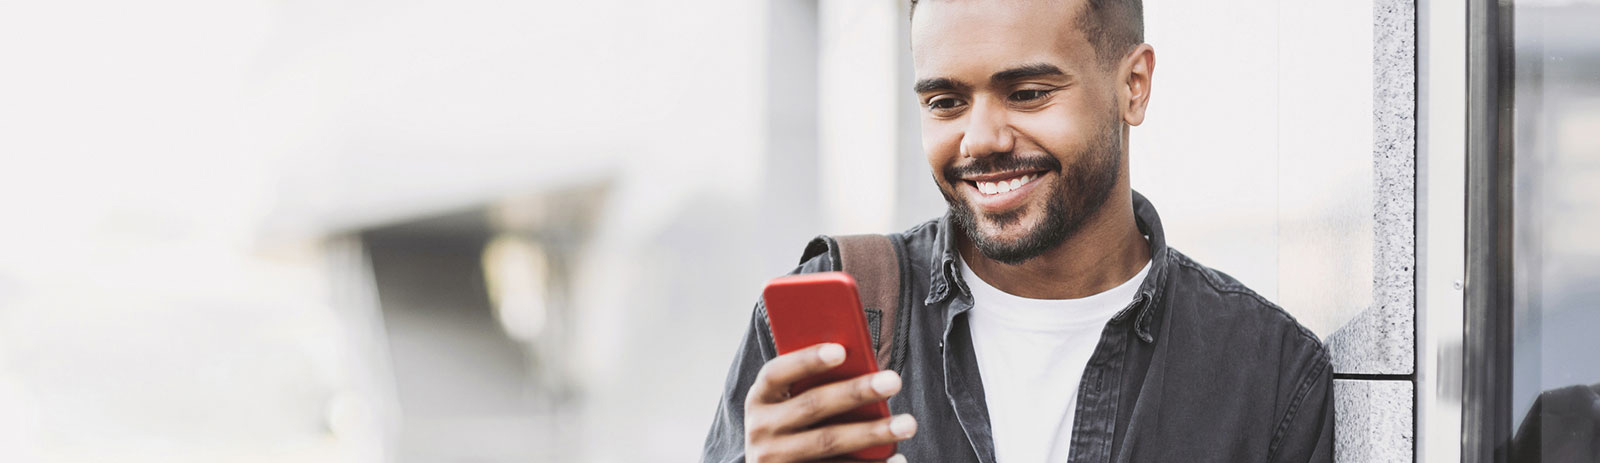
[1004,184]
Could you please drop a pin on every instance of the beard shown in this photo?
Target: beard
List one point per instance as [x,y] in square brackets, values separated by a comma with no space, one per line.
[1074,199]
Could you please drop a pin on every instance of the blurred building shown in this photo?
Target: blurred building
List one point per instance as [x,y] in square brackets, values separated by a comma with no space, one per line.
[533,231]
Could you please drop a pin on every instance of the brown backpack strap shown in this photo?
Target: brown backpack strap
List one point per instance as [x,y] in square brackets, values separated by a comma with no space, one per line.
[873,262]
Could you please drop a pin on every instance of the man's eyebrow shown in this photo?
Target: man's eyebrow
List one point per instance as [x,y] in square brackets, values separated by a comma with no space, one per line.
[1025,71]
[1017,73]
[937,83]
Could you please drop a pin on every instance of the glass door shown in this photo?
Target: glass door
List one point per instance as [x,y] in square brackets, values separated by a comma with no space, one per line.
[1532,337]
[1555,317]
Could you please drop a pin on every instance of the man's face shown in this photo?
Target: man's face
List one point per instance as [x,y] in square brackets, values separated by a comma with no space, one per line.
[1020,122]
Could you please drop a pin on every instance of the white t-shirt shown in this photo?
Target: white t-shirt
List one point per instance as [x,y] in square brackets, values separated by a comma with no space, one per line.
[1031,356]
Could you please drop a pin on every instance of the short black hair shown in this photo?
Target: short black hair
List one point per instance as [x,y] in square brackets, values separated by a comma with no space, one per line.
[1113,27]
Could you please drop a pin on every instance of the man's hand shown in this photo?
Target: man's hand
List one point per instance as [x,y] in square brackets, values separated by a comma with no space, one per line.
[778,427]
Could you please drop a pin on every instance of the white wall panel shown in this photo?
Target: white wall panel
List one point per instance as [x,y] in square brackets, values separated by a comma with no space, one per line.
[1280,149]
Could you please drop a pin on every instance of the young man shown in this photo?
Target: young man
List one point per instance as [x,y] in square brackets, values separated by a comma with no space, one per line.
[1048,320]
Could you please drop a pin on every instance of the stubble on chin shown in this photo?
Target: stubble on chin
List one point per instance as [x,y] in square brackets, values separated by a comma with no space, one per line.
[1006,237]
[1077,192]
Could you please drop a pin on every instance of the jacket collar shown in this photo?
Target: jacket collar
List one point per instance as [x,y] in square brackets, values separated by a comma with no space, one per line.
[945,276]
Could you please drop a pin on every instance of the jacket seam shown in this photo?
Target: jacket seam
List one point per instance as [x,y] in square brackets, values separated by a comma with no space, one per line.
[1215,283]
[768,344]
[902,329]
[1304,389]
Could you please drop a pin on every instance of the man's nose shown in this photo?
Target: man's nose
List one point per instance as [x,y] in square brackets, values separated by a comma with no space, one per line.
[988,132]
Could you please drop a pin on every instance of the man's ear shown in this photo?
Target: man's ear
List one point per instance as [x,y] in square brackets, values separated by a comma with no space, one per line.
[1139,68]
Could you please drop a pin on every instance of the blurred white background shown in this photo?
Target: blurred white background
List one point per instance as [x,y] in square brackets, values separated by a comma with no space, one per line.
[484,230]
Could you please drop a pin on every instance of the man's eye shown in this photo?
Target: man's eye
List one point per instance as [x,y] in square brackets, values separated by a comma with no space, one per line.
[944,104]
[1029,95]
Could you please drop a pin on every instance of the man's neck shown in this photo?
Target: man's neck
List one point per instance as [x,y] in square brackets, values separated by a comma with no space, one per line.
[1106,252]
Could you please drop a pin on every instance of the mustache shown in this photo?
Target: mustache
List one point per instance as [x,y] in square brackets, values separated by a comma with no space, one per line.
[1001,163]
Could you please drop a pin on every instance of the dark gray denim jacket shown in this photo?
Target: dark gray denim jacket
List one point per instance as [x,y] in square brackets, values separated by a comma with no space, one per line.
[1198,368]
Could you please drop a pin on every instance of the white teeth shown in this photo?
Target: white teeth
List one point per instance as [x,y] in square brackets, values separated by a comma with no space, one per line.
[1004,186]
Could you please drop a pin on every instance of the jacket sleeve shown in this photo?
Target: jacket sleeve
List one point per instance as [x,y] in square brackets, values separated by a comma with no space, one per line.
[725,443]
[1306,432]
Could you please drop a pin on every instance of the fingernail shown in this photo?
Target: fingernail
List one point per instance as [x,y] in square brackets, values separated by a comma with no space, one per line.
[831,354]
[903,426]
[886,382]
[897,458]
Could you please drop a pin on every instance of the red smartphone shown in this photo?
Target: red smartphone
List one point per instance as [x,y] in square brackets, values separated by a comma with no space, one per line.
[814,308]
